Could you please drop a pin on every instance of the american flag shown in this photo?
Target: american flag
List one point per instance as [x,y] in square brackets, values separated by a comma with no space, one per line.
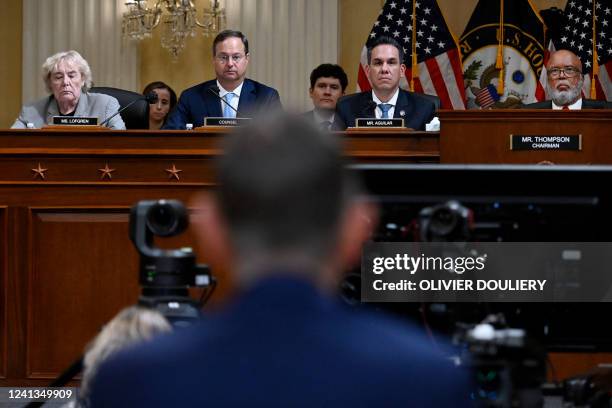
[439,63]
[487,96]
[577,36]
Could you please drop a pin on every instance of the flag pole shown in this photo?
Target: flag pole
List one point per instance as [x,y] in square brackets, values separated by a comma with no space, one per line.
[595,72]
[415,67]
[499,62]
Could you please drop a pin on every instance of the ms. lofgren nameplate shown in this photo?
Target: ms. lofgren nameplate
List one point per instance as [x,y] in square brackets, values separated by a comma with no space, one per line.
[75,120]
[545,142]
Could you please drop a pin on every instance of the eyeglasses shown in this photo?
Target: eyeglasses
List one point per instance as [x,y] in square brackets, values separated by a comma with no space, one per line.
[569,72]
[224,58]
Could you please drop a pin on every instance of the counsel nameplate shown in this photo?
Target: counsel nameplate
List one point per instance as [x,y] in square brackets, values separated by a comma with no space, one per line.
[228,122]
[75,120]
[545,142]
[377,123]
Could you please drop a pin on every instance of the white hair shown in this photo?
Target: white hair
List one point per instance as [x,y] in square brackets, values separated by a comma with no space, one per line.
[72,57]
[131,326]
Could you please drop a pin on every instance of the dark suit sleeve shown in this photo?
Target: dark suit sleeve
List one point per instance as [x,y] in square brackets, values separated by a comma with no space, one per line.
[273,101]
[179,117]
[342,113]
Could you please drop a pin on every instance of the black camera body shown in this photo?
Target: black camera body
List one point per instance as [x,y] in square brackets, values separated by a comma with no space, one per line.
[446,222]
[165,275]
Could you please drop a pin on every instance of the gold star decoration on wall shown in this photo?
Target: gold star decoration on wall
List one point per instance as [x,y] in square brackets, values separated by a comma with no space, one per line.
[106,172]
[173,172]
[39,172]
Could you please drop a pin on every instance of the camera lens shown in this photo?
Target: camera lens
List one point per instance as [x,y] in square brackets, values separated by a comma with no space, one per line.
[443,222]
[166,218]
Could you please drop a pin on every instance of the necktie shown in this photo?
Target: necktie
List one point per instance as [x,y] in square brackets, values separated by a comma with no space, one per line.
[565,107]
[325,125]
[384,108]
[228,112]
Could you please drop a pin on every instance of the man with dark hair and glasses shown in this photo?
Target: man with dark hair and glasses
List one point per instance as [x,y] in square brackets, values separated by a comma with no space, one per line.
[564,85]
[231,94]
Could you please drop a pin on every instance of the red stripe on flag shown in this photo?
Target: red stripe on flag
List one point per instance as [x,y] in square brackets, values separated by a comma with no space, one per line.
[453,57]
[418,87]
[362,79]
[540,94]
[599,90]
[438,82]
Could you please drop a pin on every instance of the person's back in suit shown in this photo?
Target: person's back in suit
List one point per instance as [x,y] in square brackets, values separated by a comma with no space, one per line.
[288,227]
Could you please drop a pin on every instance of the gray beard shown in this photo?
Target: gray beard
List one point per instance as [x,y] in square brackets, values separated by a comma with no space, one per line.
[562,98]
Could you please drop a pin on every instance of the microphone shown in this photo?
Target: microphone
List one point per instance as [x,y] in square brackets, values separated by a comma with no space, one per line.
[151,97]
[215,91]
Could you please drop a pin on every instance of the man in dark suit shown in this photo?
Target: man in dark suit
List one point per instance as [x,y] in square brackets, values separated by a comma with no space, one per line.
[237,93]
[386,100]
[564,85]
[327,84]
[288,228]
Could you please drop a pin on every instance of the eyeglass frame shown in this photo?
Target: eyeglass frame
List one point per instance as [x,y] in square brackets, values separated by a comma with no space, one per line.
[236,58]
[555,72]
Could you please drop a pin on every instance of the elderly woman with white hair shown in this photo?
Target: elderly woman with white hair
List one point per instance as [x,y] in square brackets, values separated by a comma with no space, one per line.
[68,77]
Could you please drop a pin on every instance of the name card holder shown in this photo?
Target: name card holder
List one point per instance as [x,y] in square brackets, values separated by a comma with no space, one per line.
[373,125]
[74,123]
[379,123]
[226,122]
[546,142]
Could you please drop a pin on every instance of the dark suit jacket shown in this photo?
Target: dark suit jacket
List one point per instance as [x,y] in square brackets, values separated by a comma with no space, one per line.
[283,344]
[336,125]
[586,104]
[418,110]
[198,102]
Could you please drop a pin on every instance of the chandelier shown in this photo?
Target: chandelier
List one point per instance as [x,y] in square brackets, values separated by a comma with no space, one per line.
[178,21]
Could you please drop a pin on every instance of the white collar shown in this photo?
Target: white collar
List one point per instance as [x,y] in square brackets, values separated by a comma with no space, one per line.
[223,91]
[392,101]
[574,106]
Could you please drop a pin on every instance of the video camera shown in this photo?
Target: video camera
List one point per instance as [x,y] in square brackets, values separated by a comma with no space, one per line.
[166,274]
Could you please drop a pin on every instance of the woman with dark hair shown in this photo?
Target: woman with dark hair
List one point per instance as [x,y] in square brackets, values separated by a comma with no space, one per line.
[166,100]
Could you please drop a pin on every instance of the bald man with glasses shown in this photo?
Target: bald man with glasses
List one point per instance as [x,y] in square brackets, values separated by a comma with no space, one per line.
[564,85]
[231,94]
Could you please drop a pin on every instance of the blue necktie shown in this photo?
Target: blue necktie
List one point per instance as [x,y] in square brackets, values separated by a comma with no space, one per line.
[384,108]
[228,112]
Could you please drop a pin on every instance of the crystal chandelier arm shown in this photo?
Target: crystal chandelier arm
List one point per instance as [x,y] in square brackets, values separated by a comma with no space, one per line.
[158,11]
[198,21]
[215,8]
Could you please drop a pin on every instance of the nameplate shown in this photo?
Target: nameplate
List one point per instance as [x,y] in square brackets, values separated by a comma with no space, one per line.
[228,122]
[545,142]
[75,121]
[378,123]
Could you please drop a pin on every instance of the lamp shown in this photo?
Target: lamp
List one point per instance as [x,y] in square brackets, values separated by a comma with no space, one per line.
[178,18]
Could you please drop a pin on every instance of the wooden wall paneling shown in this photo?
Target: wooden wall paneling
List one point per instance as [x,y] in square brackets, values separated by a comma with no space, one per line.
[16,305]
[83,270]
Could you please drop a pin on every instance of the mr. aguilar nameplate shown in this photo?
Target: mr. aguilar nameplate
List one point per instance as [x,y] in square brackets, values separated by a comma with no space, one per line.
[75,121]
[546,142]
[378,123]
[228,122]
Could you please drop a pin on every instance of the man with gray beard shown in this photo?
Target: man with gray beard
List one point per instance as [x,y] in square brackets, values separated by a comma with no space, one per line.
[564,85]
